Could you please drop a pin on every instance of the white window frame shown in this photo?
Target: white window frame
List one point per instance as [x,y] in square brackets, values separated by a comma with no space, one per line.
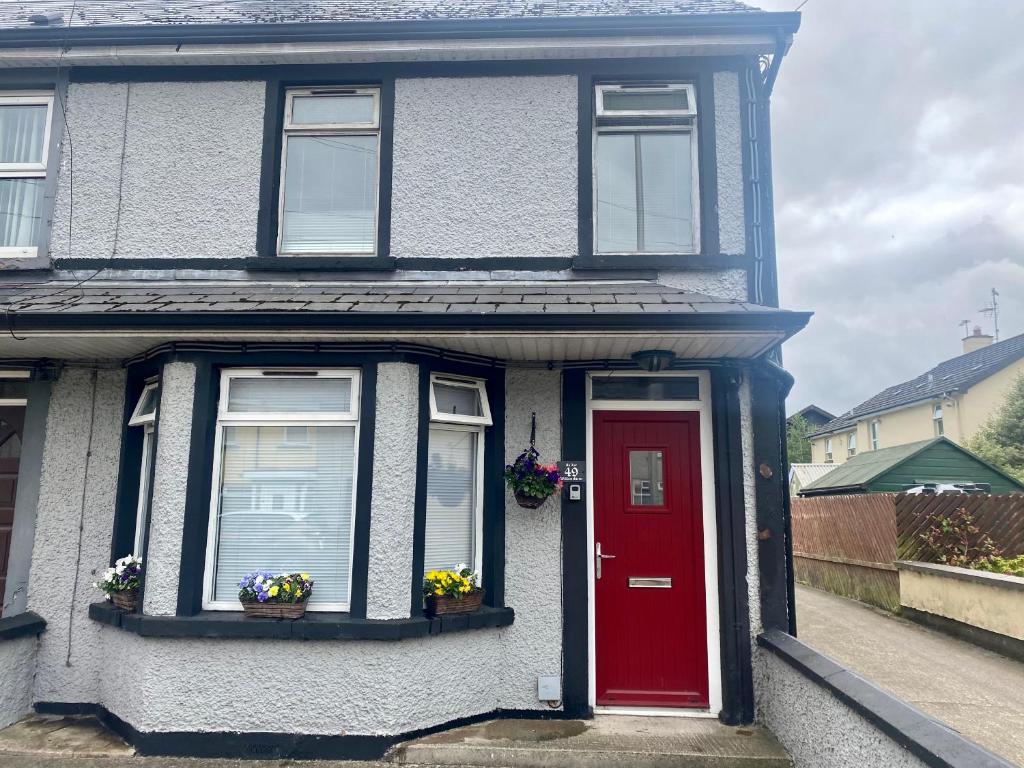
[464,383]
[634,121]
[227,419]
[828,450]
[940,429]
[28,170]
[457,423]
[148,423]
[290,129]
[851,444]
[874,428]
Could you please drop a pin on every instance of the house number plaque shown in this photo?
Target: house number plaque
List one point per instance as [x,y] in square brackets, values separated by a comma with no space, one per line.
[574,475]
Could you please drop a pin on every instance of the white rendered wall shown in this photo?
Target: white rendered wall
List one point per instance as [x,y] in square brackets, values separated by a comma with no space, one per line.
[17,668]
[485,166]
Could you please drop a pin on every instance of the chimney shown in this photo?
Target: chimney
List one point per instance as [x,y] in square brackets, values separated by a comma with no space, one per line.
[977,340]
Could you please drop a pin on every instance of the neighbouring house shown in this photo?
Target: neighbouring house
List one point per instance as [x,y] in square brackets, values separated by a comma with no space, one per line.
[287,284]
[805,474]
[896,469]
[813,415]
[954,400]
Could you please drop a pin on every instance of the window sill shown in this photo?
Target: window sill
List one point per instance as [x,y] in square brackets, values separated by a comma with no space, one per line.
[661,261]
[24,625]
[313,626]
[319,263]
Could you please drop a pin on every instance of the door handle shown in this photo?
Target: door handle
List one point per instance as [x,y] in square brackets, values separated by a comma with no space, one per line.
[598,557]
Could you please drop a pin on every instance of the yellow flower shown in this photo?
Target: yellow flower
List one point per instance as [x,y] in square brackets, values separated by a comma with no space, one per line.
[273,591]
[305,576]
[287,587]
[438,591]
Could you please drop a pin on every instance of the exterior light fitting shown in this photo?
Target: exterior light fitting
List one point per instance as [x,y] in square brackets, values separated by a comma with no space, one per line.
[654,360]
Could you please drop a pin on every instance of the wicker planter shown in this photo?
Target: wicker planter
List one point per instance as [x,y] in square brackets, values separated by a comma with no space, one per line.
[126,600]
[437,606]
[258,610]
[529,502]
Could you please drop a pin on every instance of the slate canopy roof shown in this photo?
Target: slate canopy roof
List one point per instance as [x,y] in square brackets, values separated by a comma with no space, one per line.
[955,375]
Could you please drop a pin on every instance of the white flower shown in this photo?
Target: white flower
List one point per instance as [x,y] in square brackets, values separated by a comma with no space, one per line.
[259,579]
[119,570]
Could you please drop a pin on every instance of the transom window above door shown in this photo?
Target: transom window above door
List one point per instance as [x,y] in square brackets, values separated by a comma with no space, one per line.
[330,168]
[646,186]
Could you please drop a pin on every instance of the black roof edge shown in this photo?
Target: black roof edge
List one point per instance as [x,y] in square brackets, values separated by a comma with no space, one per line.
[784,322]
[775,23]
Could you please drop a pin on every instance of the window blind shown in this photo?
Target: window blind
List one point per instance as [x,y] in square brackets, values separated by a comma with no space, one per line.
[286,507]
[451,498]
[22,129]
[280,394]
[21,204]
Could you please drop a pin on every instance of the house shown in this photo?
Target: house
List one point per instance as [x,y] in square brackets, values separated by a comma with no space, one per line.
[892,470]
[954,399]
[287,284]
[813,415]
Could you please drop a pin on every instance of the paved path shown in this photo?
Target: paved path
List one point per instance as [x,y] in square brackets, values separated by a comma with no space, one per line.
[976,692]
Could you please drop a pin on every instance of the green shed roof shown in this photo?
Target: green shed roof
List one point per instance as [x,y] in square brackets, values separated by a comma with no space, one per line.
[894,469]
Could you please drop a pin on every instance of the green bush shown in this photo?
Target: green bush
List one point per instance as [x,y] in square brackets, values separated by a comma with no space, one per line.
[1013,566]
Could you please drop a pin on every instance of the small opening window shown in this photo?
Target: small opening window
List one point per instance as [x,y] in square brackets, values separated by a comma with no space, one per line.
[674,100]
[330,172]
[459,401]
[851,444]
[144,416]
[937,420]
[874,429]
[828,451]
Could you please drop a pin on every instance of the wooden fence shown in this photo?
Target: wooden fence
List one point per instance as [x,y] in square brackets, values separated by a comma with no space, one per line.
[848,544]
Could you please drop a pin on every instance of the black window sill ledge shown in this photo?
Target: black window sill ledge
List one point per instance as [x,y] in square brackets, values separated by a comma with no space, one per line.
[313,626]
[22,625]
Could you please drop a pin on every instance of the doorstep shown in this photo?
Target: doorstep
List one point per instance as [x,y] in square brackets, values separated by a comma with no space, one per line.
[608,741]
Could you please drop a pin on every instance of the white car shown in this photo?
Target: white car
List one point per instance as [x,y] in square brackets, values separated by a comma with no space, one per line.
[930,488]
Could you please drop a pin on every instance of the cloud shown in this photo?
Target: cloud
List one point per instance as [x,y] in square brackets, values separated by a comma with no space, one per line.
[899,186]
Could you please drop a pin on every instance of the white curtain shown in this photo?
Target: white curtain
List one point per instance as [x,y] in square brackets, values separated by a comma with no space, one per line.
[451,498]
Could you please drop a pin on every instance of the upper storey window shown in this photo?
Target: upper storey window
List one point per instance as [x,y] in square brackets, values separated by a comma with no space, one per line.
[646,186]
[24,151]
[330,172]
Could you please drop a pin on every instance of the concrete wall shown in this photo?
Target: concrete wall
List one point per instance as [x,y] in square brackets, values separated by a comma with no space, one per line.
[170,478]
[485,167]
[74,521]
[988,600]
[17,668]
[816,728]
[393,505]
[162,170]
[729,159]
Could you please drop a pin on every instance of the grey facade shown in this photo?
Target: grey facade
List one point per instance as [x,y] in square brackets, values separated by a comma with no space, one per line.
[484,267]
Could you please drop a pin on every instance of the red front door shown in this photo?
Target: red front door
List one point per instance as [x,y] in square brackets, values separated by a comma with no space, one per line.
[651,620]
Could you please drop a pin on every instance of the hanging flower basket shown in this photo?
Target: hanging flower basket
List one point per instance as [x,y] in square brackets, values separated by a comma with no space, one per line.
[532,483]
[126,600]
[121,582]
[454,591]
[266,596]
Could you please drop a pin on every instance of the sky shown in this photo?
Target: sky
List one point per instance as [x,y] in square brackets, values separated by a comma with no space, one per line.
[898,158]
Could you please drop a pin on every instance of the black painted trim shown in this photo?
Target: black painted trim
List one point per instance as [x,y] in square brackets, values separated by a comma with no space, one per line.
[781,322]
[419,525]
[279,81]
[485,263]
[253,746]
[418,29]
[1011,647]
[313,626]
[737,672]
[769,446]
[22,625]
[575,593]
[662,261]
[360,555]
[929,740]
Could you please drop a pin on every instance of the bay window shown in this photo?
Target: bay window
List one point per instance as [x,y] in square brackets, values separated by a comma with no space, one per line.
[459,413]
[329,172]
[24,153]
[283,491]
[144,417]
[646,187]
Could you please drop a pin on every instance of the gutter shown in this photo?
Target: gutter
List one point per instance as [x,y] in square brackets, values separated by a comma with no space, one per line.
[780,25]
[781,322]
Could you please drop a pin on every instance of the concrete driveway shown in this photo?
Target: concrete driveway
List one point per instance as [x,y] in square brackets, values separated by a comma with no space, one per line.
[976,692]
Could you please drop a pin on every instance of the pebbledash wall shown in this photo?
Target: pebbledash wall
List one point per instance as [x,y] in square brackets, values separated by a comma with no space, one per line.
[482,167]
[342,686]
